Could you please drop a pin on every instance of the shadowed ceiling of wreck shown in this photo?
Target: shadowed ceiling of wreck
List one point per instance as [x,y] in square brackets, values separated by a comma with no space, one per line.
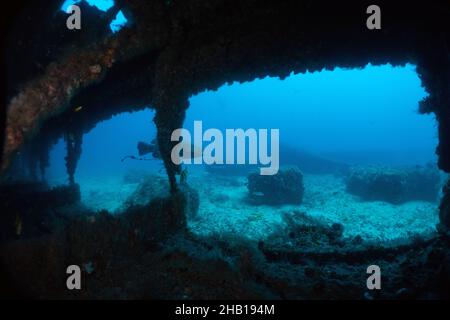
[172,50]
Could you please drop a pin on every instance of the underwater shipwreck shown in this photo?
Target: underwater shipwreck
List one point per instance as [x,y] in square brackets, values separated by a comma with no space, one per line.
[167,230]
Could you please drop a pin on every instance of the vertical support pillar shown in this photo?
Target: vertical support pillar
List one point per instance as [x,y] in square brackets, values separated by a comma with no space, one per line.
[167,119]
[434,71]
[73,144]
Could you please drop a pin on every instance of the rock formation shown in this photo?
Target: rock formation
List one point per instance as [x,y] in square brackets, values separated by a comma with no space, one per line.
[282,188]
[394,185]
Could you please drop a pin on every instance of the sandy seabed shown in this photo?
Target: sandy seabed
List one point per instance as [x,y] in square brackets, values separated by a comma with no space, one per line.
[225,209]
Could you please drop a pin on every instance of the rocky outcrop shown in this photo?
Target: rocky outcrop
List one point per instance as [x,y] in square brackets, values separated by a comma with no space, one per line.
[394,185]
[282,188]
[152,187]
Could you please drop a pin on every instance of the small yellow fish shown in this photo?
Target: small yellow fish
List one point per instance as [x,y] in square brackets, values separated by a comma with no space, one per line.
[78,109]
[18,225]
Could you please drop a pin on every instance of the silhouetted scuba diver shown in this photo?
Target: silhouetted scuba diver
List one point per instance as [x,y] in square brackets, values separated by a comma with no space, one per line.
[145,148]
[152,148]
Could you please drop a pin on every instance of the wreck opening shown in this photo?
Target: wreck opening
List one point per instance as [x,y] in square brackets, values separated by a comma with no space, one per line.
[109,169]
[355,134]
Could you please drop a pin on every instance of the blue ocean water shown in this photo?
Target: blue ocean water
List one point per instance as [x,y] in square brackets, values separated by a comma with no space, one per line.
[367,115]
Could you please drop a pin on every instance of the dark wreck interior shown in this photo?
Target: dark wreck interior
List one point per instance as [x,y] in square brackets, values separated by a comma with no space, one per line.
[168,51]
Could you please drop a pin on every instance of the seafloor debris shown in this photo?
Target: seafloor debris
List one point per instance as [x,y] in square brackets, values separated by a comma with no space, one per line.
[284,187]
[304,230]
[394,185]
[148,253]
